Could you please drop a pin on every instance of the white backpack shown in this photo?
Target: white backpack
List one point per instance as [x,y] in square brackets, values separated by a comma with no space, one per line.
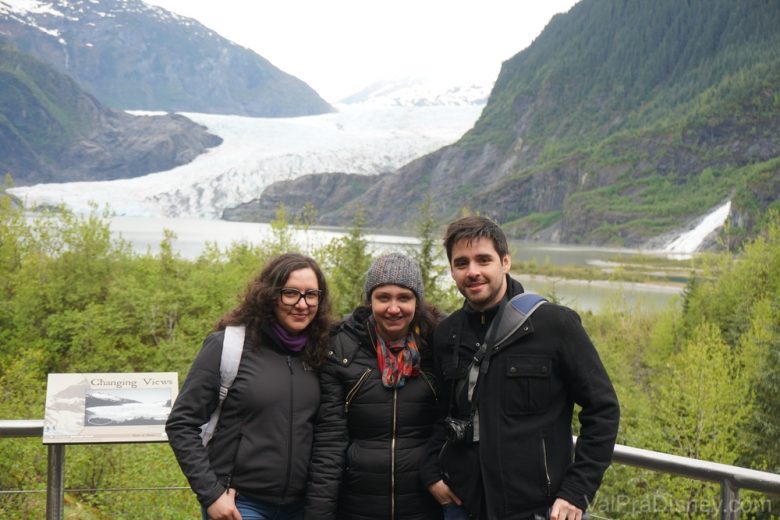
[232,348]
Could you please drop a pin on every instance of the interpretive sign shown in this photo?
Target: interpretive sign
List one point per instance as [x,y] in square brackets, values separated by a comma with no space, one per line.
[112,407]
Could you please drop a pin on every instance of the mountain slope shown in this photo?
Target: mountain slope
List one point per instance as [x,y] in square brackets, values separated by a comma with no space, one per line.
[52,131]
[620,122]
[134,56]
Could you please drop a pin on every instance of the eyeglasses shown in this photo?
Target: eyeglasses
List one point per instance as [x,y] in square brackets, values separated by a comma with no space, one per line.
[290,296]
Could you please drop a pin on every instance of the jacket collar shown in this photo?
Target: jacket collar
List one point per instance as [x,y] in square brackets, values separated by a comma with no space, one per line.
[360,336]
[350,336]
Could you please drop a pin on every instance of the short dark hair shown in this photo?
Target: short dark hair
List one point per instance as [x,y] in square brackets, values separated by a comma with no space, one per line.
[472,228]
[256,306]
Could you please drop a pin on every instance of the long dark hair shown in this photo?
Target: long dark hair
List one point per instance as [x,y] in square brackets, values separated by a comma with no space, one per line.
[257,305]
[426,318]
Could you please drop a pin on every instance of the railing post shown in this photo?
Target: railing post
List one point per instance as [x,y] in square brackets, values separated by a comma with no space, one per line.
[729,500]
[55,482]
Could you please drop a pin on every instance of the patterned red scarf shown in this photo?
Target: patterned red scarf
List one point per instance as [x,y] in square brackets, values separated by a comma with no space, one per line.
[397,359]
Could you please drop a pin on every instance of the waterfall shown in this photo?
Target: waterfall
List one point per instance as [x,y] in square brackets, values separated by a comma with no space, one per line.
[690,241]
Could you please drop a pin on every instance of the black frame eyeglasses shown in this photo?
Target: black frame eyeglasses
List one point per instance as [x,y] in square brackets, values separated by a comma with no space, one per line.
[291,296]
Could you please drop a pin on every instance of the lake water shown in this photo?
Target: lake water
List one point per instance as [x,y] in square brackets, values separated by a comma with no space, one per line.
[192,235]
[587,295]
[593,296]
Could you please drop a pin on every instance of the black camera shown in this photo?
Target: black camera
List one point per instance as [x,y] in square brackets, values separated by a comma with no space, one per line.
[459,430]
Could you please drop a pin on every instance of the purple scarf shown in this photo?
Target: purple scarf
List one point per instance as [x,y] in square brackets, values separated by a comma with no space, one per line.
[292,343]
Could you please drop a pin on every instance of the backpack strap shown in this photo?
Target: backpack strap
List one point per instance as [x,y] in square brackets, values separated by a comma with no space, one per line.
[232,348]
[515,314]
[509,318]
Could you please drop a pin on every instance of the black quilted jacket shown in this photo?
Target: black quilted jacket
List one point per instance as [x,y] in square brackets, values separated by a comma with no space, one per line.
[370,441]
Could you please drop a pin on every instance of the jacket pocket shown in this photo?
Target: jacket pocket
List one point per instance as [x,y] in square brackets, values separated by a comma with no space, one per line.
[527,384]
[350,456]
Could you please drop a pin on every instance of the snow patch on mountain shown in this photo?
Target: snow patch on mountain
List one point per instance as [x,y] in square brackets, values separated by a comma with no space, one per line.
[47,17]
[28,7]
[421,92]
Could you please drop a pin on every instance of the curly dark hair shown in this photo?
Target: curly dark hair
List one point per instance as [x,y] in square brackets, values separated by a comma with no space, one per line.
[426,318]
[256,307]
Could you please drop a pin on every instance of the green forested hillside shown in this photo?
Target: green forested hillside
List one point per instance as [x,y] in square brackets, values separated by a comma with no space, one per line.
[608,66]
[699,379]
[666,108]
[624,120]
[39,110]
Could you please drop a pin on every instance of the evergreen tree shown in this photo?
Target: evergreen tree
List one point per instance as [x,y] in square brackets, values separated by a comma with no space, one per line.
[345,262]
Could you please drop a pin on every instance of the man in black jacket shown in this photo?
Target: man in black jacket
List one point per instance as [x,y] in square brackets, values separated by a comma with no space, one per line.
[509,453]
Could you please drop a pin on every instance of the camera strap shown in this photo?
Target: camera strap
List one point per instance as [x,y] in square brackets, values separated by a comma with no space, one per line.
[481,357]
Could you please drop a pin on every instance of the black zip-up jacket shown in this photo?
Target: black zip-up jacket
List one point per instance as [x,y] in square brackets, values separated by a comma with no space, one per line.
[370,441]
[525,457]
[262,443]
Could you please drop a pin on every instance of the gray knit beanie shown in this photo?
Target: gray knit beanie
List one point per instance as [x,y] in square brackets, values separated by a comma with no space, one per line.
[396,269]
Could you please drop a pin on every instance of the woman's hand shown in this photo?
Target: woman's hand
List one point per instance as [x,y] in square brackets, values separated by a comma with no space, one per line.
[225,507]
[443,494]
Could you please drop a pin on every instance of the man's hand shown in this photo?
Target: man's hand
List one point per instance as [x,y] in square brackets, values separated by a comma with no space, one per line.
[225,507]
[563,510]
[443,494]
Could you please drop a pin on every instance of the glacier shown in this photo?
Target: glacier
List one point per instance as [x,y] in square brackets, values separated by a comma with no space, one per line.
[366,138]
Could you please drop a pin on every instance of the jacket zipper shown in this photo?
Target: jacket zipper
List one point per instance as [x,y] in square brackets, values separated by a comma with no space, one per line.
[546,469]
[392,455]
[430,385]
[235,456]
[353,391]
[289,431]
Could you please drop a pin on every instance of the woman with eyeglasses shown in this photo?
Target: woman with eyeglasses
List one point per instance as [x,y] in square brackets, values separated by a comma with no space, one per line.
[378,405]
[256,464]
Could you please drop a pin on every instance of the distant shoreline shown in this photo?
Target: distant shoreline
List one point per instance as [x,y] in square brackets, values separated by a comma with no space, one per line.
[659,287]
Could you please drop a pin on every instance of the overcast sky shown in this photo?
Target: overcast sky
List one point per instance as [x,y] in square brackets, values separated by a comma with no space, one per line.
[340,46]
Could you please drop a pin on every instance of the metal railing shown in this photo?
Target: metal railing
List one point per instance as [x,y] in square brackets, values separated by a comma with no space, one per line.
[55,491]
[55,482]
[731,478]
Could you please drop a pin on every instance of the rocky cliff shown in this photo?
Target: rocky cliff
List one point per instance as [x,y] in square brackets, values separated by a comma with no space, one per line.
[326,191]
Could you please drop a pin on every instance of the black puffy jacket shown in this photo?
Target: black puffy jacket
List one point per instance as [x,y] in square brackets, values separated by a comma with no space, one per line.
[370,441]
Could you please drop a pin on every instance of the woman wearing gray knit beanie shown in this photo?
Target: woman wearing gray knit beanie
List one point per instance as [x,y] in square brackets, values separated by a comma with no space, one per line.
[378,405]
